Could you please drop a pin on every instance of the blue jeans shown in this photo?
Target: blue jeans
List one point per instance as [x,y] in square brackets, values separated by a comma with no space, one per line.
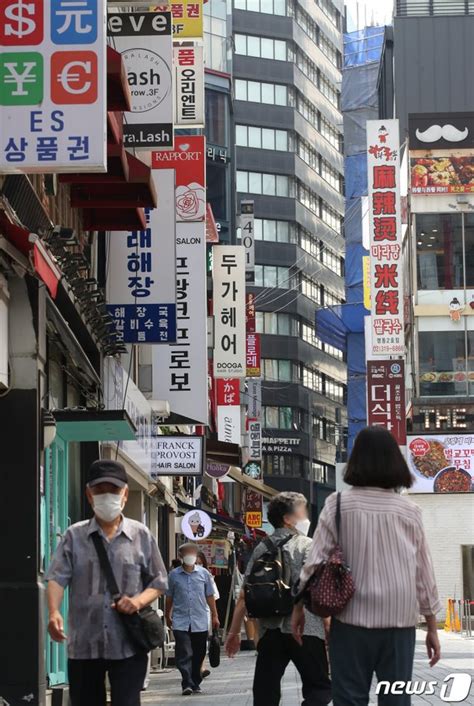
[189,654]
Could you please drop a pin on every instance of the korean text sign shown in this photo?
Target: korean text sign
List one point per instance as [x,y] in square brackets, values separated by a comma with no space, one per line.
[442,463]
[189,161]
[141,283]
[144,39]
[386,397]
[189,85]
[383,163]
[253,355]
[229,311]
[52,86]
[188,18]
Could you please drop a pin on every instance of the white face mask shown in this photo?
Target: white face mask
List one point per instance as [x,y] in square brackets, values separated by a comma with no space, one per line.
[189,559]
[302,526]
[108,506]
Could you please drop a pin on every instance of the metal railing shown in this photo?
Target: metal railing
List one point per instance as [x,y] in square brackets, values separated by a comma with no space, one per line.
[433,8]
[460,616]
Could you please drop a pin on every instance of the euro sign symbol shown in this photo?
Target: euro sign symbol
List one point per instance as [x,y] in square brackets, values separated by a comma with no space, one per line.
[24,25]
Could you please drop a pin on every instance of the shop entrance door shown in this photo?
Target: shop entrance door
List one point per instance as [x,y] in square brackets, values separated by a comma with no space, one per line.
[54,522]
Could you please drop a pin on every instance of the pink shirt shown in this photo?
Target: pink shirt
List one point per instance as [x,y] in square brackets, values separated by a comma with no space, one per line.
[384,544]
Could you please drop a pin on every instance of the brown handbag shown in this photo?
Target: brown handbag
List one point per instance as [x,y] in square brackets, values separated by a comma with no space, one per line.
[331,585]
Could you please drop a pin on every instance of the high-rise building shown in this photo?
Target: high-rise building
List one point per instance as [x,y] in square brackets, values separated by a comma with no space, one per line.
[288,135]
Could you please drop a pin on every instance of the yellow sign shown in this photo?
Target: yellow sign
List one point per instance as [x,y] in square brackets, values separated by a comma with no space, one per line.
[188,20]
[253,519]
[366,281]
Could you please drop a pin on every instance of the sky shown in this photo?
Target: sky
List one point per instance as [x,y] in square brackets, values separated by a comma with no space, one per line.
[379,11]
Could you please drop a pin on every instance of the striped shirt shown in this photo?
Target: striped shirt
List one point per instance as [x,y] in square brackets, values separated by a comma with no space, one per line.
[384,543]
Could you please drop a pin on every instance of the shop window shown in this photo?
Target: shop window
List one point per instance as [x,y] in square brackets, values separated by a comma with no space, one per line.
[216,118]
[439,247]
[442,360]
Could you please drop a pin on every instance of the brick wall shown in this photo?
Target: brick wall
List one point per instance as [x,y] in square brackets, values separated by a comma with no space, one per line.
[449,523]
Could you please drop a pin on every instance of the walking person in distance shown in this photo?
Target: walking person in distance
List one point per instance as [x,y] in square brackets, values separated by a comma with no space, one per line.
[384,543]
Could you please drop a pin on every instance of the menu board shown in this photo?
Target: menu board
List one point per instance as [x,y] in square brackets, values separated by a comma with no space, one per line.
[441,463]
[448,174]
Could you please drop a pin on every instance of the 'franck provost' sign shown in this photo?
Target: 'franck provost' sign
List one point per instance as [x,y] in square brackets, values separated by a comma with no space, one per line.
[177,456]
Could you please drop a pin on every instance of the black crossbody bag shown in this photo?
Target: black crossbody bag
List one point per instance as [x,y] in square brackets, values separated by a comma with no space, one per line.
[145,628]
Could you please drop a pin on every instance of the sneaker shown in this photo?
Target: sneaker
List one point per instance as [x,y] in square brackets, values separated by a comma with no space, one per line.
[206,673]
[188,691]
[197,690]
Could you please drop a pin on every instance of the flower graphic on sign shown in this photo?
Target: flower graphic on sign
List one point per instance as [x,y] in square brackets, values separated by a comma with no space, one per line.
[190,202]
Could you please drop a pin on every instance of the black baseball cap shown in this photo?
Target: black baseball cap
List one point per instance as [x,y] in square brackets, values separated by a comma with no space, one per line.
[104,471]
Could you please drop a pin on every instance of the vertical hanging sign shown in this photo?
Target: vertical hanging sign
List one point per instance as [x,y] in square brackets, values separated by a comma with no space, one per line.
[52,86]
[386,279]
[228,410]
[189,161]
[247,236]
[188,61]
[229,311]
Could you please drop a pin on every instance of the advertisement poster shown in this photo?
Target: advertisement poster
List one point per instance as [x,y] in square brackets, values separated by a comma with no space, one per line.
[177,456]
[386,277]
[144,39]
[189,85]
[141,282]
[449,174]
[386,397]
[180,369]
[442,463]
[228,269]
[189,161]
[53,86]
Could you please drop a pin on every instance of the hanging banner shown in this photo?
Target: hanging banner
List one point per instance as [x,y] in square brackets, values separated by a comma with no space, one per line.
[188,64]
[253,398]
[254,435]
[386,397]
[188,18]
[253,509]
[141,283]
[228,410]
[229,311]
[144,39]
[386,277]
[189,160]
[180,370]
[254,369]
[212,233]
[442,463]
[53,86]
[250,313]
[247,235]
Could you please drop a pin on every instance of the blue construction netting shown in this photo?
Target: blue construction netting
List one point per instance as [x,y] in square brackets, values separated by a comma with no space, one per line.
[364,46]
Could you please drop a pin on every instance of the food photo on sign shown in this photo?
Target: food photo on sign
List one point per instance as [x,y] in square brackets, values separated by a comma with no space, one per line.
[442,463]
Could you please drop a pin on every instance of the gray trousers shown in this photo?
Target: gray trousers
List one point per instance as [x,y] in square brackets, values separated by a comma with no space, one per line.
[356,654]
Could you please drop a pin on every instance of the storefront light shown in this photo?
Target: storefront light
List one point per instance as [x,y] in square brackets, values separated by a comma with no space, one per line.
[49,428]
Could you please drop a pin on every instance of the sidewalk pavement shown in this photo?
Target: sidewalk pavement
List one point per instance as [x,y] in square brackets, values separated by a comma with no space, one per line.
[231,683]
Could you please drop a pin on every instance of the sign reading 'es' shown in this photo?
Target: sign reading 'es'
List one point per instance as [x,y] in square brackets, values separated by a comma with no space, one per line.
[52,86]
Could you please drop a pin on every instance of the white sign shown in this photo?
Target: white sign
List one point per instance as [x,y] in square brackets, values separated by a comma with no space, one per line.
[254,436]
[247,235]
[196,524]
[53,86]
[229,424]
[177,456]
[228,269]
[145,42]
[253,397]
[386,276]
[441,463]
[180,370]
[189,85]
[141,282]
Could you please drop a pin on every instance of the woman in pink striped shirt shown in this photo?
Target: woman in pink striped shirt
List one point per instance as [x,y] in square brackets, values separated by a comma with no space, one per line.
[384,543]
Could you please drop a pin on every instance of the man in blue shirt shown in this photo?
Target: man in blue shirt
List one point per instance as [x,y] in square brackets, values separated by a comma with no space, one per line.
[190,592]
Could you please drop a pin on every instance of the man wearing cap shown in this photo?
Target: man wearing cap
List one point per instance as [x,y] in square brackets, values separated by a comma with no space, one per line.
[189,594]
[97,641]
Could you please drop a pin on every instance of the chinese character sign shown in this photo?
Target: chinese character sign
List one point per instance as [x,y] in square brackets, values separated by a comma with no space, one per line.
[189,85]
[383,163]
[52,86]
[229,311]
[141,286]
[386,397]
[188,159]
[442,463]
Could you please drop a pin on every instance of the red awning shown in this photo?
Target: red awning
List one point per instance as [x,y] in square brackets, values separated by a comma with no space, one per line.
[114,219]
[118,91]
[17,235]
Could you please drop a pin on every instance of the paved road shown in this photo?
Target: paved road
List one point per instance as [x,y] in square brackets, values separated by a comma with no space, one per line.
[231,684]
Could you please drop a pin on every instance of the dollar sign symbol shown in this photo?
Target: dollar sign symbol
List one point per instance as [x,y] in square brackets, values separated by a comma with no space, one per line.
[24,25]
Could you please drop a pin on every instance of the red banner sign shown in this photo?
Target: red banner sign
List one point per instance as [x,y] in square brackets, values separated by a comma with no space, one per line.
[250,313]
[386,397]
[227,391]
[189,160]
[254,369]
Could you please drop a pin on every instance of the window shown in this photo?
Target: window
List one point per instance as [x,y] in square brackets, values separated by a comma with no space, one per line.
[215,35]
[334,390]
[266,184]
[278,370]
[275,231]
[308,335]
[442,240]
[270,7]
[331,175]
[312,379]
[272,276]
[331,134]
[310,289]
[312,72]
[443,359]
[309,155]
[330,11]
[328,90]
[278,417]
[261,138]
[329,298]
[311,28]
[276,323]
[261,47]
[258,92]
[216,117]
[331,217]
[314,117]
[282,465]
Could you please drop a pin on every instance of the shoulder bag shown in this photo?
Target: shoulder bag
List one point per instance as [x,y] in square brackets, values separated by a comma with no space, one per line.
[144,628]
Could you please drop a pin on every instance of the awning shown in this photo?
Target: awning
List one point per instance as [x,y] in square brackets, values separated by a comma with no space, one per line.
[114,219]
[335,322]
[118,91]
[257,485]
[223,452]
[225,522]
[92,425]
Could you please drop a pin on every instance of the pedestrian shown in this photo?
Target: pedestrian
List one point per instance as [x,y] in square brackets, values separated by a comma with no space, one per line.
[202,561]
[97,641]
[189,594]
[384,543]
[288,514]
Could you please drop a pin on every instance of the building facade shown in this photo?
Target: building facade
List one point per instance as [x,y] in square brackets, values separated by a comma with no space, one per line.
[288,137]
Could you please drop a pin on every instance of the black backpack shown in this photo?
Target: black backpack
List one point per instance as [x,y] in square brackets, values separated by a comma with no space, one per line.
[267,588]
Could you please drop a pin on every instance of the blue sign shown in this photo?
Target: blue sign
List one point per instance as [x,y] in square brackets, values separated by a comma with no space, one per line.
[74,21]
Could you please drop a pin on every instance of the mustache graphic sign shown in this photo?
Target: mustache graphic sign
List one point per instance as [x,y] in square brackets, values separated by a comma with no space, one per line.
[441,131]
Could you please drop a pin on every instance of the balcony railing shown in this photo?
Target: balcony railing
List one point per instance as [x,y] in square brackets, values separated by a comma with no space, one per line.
[433,8]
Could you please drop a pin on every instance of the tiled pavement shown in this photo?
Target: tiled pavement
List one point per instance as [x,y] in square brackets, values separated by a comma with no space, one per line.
[231,683]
